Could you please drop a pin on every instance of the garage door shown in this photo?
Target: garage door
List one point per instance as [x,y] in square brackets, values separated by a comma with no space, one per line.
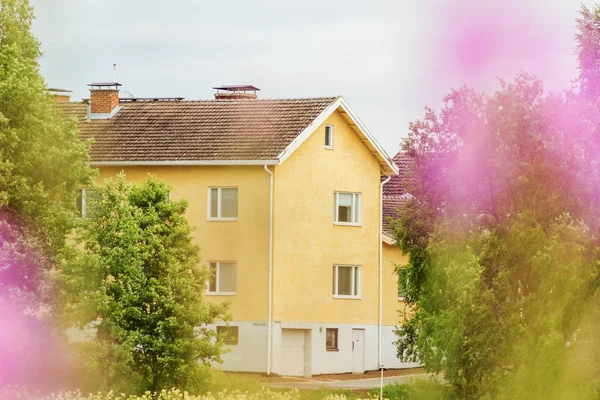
[292,352]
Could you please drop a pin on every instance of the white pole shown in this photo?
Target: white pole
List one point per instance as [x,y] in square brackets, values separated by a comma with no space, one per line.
[381,384]
[114,72]
[380,327]
[270,307]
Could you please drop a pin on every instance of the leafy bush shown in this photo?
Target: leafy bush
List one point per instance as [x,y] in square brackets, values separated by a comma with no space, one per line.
[329,394]
[414,390]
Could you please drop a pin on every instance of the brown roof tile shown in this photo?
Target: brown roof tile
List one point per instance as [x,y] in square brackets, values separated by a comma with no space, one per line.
[391,206]
[197,130]
[395,187]
[394,192]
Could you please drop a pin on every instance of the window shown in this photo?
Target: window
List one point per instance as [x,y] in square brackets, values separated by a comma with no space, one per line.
[329,136]
[229,334]
[347,208]
[223,204]
[346,281]
[222,278]
[401,292]
[87,201]
[331,339]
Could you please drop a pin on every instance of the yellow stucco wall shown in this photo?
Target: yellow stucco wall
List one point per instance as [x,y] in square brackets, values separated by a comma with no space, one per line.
[244,241]
[391,255]
[308,243]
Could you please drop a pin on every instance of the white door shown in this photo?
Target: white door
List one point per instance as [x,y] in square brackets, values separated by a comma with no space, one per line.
[358,351]
[292,352]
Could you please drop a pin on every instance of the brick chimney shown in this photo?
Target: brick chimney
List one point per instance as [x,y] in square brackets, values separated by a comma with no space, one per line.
[60,95]
[236,92]
[104,98]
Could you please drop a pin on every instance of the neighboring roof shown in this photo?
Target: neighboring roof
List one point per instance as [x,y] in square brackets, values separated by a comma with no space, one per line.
[209,130]
[394,194]
[395,187]
[213,131]
[391,205]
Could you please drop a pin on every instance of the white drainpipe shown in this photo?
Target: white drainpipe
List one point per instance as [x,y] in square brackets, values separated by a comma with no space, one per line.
[380,357]
[270,312]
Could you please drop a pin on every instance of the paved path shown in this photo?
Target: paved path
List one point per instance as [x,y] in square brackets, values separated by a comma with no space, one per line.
[348,384]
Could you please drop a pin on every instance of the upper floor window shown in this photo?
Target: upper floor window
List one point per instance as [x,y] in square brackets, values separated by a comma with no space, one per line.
[346,281]
[223,203]
[347,208]
[329,136]
[230,334]
[87,201]
[222,278]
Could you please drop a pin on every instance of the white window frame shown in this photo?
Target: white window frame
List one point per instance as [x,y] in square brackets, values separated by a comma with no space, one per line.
[218,292]
[219,201]
[330,146]
[356,275]
[336,210]
[83,202]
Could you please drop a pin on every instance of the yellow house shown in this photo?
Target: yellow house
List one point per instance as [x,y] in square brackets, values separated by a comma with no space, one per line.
[286,197]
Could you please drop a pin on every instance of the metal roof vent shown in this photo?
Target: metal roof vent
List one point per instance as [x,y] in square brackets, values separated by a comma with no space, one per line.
[235,92]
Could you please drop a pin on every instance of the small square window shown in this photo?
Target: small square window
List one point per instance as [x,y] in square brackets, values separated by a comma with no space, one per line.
[346,281]
[329,136]
[347,209]
[331,339]
[222,278]
[230,334]
[222,204]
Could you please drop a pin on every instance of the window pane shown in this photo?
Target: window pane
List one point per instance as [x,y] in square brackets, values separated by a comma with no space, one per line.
[229,203]
[356,272]
[227,277]
[212,280]
[344,214]
[79,202]
[230,334]
[328,135]
[356,208]
[92,202]
[214,200]
[334,280]
[345,281]
[344,207]
[345,199]
[331,339]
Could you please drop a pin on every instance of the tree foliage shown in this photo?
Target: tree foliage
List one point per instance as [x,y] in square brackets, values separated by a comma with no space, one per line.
[138,288]
[502,238]
[42,165]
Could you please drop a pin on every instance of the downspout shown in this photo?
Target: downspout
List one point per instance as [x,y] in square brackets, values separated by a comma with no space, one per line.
[380,327]
[270,307]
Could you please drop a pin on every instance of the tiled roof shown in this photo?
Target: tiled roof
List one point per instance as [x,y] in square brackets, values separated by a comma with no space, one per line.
[394,193]
[209,130]
[391,205]
[395,187]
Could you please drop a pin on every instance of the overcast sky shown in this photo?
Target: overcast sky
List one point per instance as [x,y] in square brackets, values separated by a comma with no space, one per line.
[389,59]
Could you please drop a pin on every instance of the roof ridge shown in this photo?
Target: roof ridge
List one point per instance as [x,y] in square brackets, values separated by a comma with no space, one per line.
[333,98]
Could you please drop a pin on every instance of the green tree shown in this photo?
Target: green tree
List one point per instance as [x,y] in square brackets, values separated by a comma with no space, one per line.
[139,284]
[503,268]
[42,165]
